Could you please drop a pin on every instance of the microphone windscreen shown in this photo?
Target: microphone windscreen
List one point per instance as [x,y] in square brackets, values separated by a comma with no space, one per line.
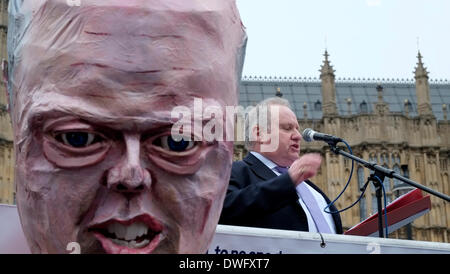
[308,135]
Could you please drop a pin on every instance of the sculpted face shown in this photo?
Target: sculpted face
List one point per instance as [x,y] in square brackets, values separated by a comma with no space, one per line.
[93,88]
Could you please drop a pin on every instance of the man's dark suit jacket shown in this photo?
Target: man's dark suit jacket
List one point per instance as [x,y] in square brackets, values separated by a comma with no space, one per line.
[257,197]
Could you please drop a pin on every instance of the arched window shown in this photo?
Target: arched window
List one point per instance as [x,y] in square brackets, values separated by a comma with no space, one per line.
[387,187]
[397,170]
[317,106]
[395,159]
[373,158]
[405,171]
[384,159]
[363,108]
[399,186]
[374,198]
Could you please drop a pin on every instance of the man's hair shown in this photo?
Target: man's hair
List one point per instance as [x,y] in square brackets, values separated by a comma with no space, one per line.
[255,115]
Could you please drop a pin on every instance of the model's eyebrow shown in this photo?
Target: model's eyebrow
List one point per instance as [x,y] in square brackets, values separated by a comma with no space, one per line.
[150,71]
[154,120]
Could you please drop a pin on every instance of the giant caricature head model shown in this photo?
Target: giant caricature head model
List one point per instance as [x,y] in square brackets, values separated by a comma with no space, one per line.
[92,84]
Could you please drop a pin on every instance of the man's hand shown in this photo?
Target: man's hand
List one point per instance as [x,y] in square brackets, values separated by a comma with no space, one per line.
[305,167]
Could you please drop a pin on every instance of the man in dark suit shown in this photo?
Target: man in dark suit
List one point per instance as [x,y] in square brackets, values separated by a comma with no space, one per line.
[270,187]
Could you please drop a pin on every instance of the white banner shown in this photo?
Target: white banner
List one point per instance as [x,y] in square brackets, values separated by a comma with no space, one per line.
[246,240]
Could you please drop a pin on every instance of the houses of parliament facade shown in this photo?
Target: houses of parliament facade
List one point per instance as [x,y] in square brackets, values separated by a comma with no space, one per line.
[399,124]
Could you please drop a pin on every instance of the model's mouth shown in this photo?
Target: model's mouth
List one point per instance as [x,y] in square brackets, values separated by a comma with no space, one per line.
[138,235]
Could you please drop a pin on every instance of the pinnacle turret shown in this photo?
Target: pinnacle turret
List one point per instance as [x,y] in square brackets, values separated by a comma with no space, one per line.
[329,107]
[327,68]
[421,70]
[422,88]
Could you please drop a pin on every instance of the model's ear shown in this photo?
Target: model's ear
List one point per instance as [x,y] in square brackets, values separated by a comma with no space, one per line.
[5,79]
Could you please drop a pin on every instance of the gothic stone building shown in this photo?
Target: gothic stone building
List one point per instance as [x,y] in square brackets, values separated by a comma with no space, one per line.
[400,124]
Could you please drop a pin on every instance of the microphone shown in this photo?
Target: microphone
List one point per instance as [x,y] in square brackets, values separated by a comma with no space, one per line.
[310,135]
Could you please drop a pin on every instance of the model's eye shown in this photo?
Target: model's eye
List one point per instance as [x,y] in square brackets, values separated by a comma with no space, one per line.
[78,139]
[178,144]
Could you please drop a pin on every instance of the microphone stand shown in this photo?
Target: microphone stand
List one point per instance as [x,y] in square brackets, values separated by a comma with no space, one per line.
[377,178]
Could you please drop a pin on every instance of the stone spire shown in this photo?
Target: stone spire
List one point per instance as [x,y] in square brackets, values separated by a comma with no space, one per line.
[327,68]
[421,71]
[422,88]
[328,87]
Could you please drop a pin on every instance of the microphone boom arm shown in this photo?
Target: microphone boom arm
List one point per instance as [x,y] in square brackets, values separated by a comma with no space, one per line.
[386,172]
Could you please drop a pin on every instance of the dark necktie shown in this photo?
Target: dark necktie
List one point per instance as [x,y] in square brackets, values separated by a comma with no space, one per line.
[281,169]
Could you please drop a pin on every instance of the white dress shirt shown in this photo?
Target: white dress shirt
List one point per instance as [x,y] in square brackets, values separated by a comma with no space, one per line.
[319,198]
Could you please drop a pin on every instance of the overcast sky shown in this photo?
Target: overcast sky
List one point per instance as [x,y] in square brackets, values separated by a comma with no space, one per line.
[365,38]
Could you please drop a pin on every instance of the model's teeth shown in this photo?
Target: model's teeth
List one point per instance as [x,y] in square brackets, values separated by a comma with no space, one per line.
[128,233]
[131,244]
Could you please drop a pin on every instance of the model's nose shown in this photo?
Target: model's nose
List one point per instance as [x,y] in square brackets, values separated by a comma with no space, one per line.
[128,175]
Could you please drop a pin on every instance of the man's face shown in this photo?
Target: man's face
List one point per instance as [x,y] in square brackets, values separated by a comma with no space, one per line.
[96,163]
[289,138]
